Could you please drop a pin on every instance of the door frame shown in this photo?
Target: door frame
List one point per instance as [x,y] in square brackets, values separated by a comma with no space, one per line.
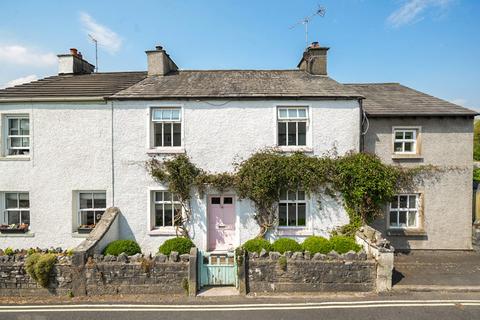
[234,203]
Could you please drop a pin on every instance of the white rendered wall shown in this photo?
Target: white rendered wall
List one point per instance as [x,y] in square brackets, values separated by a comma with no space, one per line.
[214,137]
[70,150]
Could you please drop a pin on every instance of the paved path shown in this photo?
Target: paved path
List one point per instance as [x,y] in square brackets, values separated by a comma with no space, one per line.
[438,268]
[394,309]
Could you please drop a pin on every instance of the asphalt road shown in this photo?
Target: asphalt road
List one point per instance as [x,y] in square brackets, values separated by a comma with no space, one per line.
[384,309]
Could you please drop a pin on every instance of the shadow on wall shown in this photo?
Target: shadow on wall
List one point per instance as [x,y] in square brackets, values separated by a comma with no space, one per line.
[125,231]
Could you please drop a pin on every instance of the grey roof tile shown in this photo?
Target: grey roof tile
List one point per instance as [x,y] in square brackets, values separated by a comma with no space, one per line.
[394,99]
[85,85]
[236,84]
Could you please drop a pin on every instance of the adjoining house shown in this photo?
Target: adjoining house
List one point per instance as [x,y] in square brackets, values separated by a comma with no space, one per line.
[76,143]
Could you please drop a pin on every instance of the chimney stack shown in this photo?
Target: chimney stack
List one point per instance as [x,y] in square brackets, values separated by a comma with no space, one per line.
[73,63]
[159,62]
[314,60]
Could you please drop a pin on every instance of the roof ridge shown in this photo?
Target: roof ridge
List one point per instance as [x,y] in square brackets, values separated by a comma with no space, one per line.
[372,83]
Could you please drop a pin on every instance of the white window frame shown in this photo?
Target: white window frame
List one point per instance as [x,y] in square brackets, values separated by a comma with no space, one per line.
[18,208]
[414,140]
[153,120]
[162,202]
[296,202]
[408,211]
[8,136]
[296,119]
[81,211]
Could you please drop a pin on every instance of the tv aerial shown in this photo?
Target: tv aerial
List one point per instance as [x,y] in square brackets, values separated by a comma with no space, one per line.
[305,21]
[94,40]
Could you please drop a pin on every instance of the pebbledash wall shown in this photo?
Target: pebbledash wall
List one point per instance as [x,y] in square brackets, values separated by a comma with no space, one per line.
[71,151]
[446,203]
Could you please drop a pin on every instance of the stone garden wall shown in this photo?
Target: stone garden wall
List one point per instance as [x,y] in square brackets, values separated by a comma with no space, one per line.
[137,274]
[15,281]
[302,272]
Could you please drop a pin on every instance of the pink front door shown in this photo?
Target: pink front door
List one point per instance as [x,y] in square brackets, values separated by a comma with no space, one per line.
[221,223]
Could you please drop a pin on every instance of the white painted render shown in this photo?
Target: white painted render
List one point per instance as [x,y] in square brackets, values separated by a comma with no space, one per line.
[71,150]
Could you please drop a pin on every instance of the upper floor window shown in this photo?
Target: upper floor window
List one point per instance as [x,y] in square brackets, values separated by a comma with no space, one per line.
[405,140]
[292,209]
[404,211]
[167,209]
[16,211]
[17,135]
[91,206]
[292,126]
[167,127]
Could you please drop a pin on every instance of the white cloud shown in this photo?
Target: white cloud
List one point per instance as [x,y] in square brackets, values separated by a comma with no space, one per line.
[105,37]
[20,55]
[411,11]
[21,80]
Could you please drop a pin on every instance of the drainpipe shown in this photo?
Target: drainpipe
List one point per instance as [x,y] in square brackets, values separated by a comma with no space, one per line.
[361,146]
[113,159]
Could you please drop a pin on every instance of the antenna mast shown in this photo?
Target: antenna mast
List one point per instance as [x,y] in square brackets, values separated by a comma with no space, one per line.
[305,21]
[96,51]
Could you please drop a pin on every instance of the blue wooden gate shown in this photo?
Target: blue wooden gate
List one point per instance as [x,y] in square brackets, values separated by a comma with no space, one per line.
[217,269]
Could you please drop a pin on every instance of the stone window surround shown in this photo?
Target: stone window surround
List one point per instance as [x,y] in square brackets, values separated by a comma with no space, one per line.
[4,134]
[150,127]
[418,144]
[151,230]
[419,230]
[293,148]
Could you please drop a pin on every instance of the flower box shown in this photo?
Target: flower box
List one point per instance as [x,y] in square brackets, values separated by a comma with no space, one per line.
[14,228]
[84,229]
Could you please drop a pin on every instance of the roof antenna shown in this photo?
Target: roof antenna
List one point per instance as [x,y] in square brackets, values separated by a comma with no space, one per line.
[96,51]
[305,21]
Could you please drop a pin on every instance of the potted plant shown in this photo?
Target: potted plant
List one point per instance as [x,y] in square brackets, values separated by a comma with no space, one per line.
[85,228]
[14,228]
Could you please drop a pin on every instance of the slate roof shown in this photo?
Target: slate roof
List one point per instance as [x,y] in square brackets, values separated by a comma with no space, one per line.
[237,84]
[68,86]
[394,99]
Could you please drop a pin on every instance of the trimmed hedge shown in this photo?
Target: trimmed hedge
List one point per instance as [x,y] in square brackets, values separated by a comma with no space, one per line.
[286,244]
[129,247]
[316,244]
[342,244]
[39,266]
[180,245]
[257,244]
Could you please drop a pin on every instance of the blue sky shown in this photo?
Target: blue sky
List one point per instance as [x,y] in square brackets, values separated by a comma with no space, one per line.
[430,45]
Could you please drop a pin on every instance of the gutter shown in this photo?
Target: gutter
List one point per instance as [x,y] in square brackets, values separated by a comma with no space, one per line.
[239,97]
[54,99]
[406,115]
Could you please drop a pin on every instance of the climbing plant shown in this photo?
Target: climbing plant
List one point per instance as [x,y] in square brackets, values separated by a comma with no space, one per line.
[360,180]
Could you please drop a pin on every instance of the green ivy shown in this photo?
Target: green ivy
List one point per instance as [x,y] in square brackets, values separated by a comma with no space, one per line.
[361,180]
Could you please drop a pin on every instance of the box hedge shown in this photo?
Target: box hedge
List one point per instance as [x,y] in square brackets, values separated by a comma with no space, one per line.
[286,244]
[257,244]
[316,244]
[129,247]
[342,244]
[179,244]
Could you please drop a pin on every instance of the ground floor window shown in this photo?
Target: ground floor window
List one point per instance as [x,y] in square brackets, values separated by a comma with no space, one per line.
[292,209]
[167,209]
[16,211]
[404,211]
[91,206]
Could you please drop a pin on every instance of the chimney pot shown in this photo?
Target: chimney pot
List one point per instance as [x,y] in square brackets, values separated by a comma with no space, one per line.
[73,63]
[159,48]
[73,51]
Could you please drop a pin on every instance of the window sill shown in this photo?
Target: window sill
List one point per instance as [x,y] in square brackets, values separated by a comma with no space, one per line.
[167,150]
[18,235]
[294,231]
[162,232]
[398,156]
[406,232]
[288,149]
[80,235]
[15,158]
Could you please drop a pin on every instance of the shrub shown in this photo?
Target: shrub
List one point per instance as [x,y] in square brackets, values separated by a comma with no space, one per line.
[342,244]
[9,251]
[257,244]
[179,244]
[316,244]
[128,247]
[286,244]
[30,263]
[43,267]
